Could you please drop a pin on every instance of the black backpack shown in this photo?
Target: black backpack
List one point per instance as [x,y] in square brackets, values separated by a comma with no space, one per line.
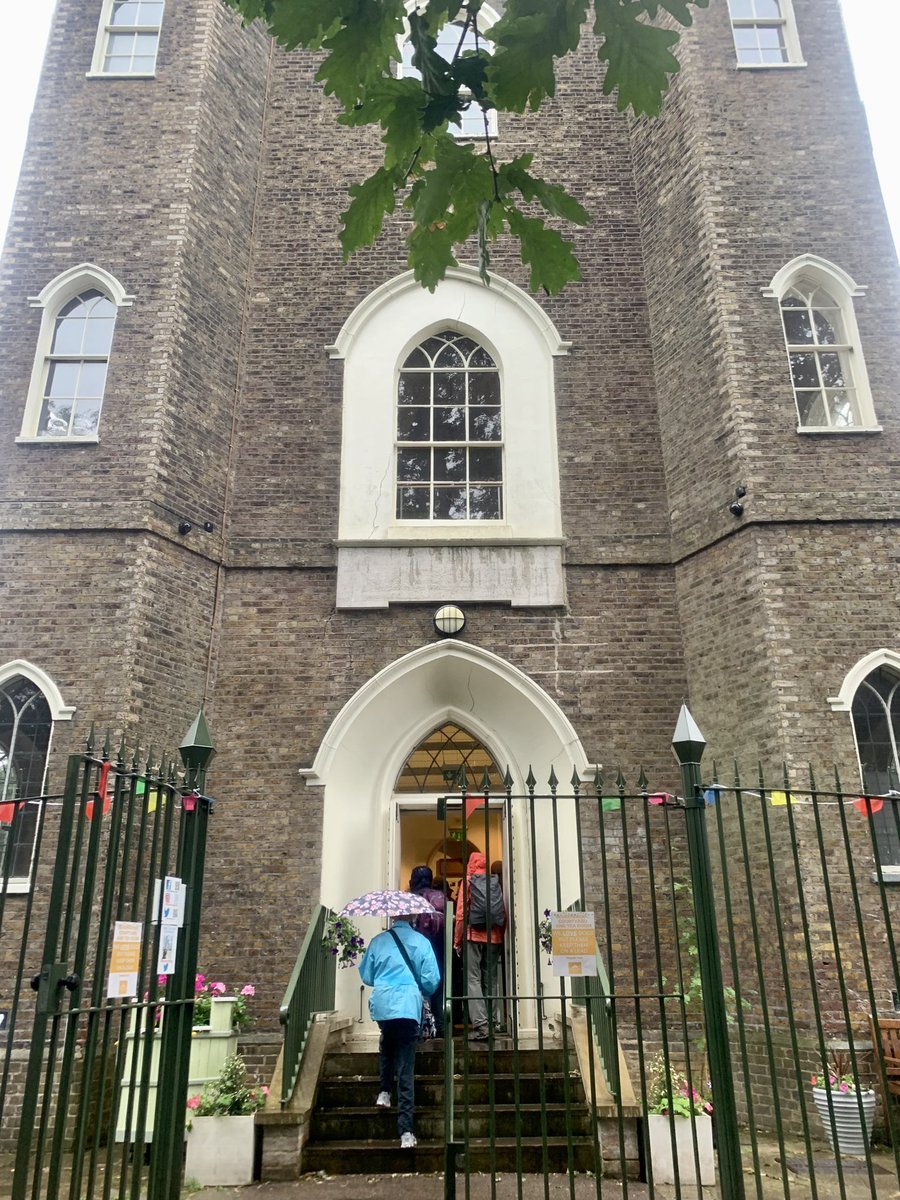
[478,901]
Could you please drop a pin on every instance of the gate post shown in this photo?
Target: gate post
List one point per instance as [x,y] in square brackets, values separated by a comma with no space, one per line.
[688,743]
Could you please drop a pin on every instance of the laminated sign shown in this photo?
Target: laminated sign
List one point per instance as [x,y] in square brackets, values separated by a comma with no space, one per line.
[573,943]
[124,960]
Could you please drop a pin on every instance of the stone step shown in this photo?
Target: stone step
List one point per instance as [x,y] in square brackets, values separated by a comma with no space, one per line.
[381,1157]
[480,1058]
[475,1122]
[341,1093]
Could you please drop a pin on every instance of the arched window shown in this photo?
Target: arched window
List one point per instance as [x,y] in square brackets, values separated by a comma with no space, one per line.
[25,726]
[828,372]
[456,40]
[68,380]
[128,38]
[449,432]
[435,763]
[876,723]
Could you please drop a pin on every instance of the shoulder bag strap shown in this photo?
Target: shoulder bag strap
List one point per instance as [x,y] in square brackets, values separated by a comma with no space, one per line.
[405,956]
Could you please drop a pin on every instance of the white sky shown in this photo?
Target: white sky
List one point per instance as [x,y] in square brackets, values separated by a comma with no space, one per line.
[873,27]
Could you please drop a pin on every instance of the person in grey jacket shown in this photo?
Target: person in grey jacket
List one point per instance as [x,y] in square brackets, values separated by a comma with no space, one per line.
[398,981]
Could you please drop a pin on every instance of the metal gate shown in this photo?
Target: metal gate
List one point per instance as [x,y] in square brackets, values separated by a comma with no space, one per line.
[739,943]
[97,989]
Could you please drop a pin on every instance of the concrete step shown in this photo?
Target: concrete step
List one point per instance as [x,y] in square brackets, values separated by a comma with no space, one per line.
[340,1093]
[478,1059]
[340,1125]
[381,1157]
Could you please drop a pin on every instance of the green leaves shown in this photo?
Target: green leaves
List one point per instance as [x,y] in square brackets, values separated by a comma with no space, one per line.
[453,190]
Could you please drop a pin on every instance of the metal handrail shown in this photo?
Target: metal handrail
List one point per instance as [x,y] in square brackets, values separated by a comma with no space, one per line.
[595,994]
[311,989]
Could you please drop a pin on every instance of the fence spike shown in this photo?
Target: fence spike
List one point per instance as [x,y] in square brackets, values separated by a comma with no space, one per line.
[598,780]
[485,782]
[715,772]
[620,781]
[785,778]
[508,779]
[737,776]
[89,744]
[552,781]
[642,781]
[106,745]
[530,780]
[838,786]
[120,756]
[812,778]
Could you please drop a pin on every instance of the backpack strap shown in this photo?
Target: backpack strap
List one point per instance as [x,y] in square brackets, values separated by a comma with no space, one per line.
[406,958]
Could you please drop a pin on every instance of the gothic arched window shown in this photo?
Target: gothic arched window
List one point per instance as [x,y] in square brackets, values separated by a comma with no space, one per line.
[876,722]
[435,763]
[25,726]
[449,432]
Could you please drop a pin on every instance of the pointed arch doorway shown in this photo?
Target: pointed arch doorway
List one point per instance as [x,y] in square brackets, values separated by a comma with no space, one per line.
[368,747]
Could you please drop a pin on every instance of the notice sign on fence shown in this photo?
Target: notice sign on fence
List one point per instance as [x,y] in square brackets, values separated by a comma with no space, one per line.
[125,959]
[574,947]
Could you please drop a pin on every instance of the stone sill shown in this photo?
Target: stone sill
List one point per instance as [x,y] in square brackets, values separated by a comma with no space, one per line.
[888,874]
[128,75]
[790,66]
[93,440]
[832,432]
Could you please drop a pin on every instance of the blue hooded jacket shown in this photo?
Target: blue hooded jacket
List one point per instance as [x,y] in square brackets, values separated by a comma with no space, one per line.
[396,994]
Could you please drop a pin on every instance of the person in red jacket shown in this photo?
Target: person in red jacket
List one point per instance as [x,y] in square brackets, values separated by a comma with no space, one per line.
[483,950]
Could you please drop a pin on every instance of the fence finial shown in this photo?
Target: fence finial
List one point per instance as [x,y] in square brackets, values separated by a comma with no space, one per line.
[687,740]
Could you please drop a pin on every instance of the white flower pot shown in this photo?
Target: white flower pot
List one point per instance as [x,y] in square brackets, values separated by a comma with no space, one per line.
[851,1133]
[220,1150]
[659,1136]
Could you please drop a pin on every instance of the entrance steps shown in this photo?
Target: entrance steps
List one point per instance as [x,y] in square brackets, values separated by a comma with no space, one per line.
[497,1096]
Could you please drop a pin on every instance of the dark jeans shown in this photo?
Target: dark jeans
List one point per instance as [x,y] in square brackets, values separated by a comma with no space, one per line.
[397,1057]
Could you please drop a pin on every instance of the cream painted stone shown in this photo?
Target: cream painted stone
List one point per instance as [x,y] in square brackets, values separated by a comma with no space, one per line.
[664,1163]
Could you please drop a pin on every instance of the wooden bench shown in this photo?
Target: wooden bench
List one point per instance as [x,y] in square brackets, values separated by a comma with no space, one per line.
[886,1048]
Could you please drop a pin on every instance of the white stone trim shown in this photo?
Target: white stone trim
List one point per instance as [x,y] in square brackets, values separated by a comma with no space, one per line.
[59,710]
[51,299]
[812,264]
[788,23]
[103,29]
[843,701]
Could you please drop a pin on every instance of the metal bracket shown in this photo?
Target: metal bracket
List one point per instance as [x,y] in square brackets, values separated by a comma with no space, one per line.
[49,985]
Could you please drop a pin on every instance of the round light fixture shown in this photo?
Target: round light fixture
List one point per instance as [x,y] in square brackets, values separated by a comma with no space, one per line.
[449,620]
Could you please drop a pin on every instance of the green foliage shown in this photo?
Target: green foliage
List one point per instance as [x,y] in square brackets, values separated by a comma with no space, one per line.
[342,939]
[230,1095]
[454,191]
[668,1091]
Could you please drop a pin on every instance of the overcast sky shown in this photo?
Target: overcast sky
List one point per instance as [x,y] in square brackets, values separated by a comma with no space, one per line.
[873,27]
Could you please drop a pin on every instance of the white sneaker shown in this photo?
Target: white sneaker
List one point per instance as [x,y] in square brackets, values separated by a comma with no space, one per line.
[384,1100]
[408,1141]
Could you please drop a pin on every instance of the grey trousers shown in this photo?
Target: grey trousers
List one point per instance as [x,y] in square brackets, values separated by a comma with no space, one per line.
[484,979]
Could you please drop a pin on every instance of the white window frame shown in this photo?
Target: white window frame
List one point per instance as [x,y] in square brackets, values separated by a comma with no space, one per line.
[487,17]
[383,560]
[787,23]
[59,711]
[809,270]
[52,299]
[104,30]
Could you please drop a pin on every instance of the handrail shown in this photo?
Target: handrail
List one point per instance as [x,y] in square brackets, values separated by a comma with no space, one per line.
[595,994]
[310,990]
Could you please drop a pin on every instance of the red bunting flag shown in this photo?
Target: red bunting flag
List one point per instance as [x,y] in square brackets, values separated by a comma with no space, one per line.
[873,804]
[102,794]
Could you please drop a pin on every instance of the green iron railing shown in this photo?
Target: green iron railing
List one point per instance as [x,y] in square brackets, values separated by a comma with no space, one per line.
[310,991]
[594,994]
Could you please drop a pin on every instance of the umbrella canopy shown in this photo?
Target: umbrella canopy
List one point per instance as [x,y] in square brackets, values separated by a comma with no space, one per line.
[386,903]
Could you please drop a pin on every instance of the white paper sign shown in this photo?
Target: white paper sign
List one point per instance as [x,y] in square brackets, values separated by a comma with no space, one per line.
[168,901]
[168,949]
[125,959]
[574,944]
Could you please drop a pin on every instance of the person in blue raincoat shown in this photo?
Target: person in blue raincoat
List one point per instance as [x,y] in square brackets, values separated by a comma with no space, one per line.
[396,1004]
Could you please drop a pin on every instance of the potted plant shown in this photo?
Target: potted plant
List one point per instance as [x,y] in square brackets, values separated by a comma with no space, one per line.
[847,1109]
[342,938]
[677,1114]
[221,1133]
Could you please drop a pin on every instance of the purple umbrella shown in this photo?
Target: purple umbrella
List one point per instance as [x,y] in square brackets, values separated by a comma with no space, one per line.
[386,903]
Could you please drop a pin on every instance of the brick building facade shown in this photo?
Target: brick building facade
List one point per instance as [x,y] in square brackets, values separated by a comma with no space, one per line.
[201,198]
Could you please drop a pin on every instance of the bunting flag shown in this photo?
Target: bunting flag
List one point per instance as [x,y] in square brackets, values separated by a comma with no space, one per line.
[661,798]
[780,799]
[7,813]
[866,806]
[102,794]
[610,804]
[473,803]
[152,794]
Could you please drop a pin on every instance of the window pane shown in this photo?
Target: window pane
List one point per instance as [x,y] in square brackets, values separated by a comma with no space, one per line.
[143,66]
[417,359]
[433,346]
[484,389]
[449,357]
[412,503]
[92,380]
[414,389]
[484,424]
[125,12]
[412,424]
[87,417]
[768,8]
[832,370]
[450,504]
[449,424]
[449,387]
[484,503]
[25,725]
[769,36]
[146,43]
[741,9]
[825,326]
[98,335]
[842,408]
[481,358]
[745,38]
[121,44]
[55,418]
[773,54]
[811,406]
[413,465]
[465,346]
[484,465]
[117,66]
[797,325]
[803,370]
[450,464]
[62,380]
[68,335]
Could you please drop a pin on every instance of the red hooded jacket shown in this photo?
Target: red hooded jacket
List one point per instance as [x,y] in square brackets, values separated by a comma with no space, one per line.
[477,866]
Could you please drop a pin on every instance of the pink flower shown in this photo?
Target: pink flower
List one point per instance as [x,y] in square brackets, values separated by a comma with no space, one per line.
[199,981]
[249,990]
[814,1080]
[845,1087]
[264,1090]
[161,980]
[193,1102]
[218,988]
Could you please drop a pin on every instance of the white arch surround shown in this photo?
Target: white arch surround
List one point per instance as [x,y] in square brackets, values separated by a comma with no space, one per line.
[366,745]
[819,268]
[70,282]
[59,710]
[843,701]
[383,559]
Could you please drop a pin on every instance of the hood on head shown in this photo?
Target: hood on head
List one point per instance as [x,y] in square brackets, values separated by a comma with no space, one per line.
[477,864]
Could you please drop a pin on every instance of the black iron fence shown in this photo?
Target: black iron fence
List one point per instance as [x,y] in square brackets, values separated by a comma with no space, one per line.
[98,962]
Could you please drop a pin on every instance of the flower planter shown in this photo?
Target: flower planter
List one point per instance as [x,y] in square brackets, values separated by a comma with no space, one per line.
[850,1134]
[210,1046]
[220,1150]
[659,1137]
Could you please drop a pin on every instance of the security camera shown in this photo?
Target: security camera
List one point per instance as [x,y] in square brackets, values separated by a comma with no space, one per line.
[736,508]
